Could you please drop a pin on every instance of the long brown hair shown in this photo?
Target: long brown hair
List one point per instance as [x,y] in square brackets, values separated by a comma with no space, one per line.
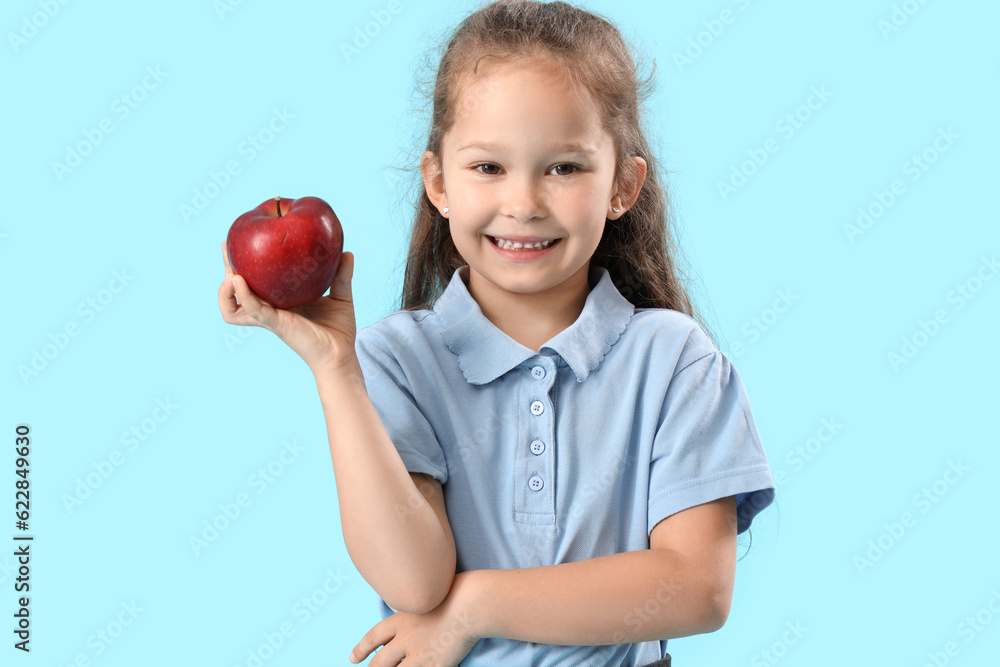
[638,248]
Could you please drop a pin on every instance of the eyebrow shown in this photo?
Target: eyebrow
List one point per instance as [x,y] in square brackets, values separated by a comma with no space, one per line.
[553,148]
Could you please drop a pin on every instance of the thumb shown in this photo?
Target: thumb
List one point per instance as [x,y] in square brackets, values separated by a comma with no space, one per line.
[341,283]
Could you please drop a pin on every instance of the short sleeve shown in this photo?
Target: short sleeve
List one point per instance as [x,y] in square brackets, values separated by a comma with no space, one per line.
[707,446]
[393,397]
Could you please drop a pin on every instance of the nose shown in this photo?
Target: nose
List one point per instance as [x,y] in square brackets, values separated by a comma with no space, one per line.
[523,199]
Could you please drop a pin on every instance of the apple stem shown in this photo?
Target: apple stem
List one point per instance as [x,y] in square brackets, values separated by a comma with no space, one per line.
[277,200]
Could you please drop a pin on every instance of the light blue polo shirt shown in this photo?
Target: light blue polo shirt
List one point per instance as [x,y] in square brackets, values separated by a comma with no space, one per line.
[576,451]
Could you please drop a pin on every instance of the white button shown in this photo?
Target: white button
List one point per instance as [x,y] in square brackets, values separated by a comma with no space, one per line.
[537,408]
[535,483]
[537,372]
[537,447]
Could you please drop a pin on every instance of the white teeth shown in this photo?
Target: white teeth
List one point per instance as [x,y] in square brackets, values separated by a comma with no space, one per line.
[514,245]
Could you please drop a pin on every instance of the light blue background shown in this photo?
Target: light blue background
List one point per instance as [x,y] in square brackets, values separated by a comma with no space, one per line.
[241,393]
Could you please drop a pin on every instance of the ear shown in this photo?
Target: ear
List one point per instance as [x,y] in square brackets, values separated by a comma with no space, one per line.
[628,192]
[430,168]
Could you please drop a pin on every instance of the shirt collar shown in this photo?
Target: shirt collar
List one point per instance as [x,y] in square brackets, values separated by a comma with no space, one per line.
[485,352]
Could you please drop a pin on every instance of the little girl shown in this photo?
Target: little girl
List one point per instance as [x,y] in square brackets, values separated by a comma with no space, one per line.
[543,458]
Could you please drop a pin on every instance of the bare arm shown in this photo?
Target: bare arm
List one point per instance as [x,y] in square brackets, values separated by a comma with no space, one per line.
[681,586]
[394,522]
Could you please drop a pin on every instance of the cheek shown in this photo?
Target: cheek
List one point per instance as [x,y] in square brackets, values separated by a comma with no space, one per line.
[466,238]
[588,219]
[587,206]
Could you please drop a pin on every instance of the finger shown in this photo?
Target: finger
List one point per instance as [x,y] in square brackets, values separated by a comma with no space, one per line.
[259,312]
[227,300]
[374,638]
[390,656]
[228,306]
[225,259]
[341,284]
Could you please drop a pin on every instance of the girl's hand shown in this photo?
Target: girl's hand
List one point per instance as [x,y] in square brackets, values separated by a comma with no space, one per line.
[321,332]
[439,638]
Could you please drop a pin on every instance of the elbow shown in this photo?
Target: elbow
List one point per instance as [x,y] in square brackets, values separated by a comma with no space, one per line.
[425,593]
[718,602]
[422,599]
[434,591]
[417,593]
[438,595]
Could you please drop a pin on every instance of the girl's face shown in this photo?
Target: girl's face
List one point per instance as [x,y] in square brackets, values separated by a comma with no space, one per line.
[526,157]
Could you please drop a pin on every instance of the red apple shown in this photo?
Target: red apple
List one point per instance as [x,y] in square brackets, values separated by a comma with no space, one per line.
[287,249]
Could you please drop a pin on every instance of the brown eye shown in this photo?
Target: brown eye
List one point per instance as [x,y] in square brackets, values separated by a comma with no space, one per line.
[571,166]
[486,164]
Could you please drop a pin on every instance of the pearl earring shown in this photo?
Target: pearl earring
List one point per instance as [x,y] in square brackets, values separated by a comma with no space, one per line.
[614,209]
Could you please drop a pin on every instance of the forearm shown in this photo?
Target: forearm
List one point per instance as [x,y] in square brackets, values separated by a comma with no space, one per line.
[392,533]
[623,598]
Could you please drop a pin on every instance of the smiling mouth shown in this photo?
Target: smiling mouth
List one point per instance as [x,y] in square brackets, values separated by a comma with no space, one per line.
[524,248]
